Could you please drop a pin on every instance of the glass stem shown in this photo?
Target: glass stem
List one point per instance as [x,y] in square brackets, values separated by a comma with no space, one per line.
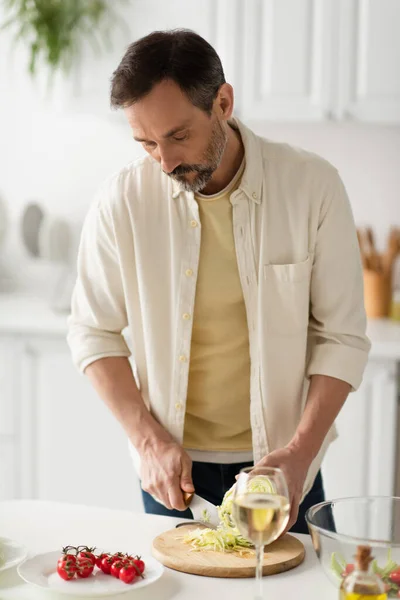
[259,572]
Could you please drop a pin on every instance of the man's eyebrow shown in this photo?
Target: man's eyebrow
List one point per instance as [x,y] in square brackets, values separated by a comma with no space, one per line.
[169,133]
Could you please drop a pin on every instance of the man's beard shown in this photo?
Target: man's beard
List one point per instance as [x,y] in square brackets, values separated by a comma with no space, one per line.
[212,160]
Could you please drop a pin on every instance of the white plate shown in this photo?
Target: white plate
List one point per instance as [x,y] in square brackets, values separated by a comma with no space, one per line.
[41,571]
[12,553]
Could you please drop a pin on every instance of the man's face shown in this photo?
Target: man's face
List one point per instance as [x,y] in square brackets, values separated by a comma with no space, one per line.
[186,141]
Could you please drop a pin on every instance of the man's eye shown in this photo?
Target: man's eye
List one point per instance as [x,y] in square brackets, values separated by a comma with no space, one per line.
[180,138]
[149,144]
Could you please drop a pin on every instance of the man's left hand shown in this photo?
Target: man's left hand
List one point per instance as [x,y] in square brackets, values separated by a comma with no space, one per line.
[294,465]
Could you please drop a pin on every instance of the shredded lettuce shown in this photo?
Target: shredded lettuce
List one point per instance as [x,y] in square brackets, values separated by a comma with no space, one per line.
[227,537]
[387,569]
[338,564]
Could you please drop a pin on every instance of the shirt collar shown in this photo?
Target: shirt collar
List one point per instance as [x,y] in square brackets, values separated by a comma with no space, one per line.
[251,182]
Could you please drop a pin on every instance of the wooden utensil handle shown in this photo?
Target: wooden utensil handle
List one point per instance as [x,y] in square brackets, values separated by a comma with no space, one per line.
[187,497]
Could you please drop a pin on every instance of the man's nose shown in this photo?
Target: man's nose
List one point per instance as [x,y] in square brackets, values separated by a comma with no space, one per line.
[168,161]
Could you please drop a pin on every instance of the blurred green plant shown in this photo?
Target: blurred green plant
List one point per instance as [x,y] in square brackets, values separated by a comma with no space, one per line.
[55,30]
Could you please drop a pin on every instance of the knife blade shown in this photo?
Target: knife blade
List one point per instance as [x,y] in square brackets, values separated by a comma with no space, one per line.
[203,511]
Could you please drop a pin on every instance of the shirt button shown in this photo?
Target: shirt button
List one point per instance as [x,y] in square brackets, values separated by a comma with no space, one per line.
[254,195]
[188,272]
[178,406]
[182,358]
[193,223]
[186,316]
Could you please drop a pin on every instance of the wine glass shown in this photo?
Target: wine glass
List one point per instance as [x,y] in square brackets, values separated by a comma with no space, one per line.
[261,510]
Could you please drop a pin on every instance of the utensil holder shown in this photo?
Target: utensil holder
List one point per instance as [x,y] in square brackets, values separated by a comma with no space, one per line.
[377,293]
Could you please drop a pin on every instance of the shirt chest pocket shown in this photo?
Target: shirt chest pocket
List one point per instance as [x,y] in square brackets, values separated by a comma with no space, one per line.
[287,297]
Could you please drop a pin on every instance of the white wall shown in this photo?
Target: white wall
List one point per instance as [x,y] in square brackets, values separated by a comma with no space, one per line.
[368,158]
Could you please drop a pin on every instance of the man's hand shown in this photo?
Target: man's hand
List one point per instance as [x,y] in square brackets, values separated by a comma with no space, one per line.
[295,466]
[166,471]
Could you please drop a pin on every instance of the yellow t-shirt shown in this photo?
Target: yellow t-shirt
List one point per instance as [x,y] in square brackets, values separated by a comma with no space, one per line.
[218,399]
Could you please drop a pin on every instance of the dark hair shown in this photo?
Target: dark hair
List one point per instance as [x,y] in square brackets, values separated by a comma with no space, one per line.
[180,55]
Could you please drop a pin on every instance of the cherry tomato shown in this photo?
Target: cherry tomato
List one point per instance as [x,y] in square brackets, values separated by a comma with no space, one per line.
[398,594]
[395,577]
[118,556]
[105,564]
[127,574]
[127,562]
[69,557]
[348,569]
[84,567]
[100,558]
[87,553]
[139,563]
[116,567]
[66,569]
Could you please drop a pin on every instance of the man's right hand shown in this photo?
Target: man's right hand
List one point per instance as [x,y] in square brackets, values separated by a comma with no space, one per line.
[166,472]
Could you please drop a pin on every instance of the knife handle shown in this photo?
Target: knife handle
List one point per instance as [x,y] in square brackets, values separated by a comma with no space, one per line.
[187,497]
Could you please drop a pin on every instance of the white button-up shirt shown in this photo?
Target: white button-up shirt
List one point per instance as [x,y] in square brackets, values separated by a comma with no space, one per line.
[299,267]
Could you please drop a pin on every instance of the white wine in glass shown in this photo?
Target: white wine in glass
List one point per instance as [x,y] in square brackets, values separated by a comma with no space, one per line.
[261,510]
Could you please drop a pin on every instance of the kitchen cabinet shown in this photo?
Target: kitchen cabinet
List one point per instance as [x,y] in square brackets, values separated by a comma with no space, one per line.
[369,61]
[313,60]
[59,442]
[287,68]
[75,451]
[8,421]
[362,461]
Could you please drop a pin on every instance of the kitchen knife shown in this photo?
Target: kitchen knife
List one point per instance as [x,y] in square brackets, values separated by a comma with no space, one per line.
[203,511]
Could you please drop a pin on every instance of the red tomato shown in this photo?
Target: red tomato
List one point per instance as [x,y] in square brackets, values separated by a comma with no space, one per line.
[127,574]
[116,567]
[66,569]
[87,554]
[398,594]
[105,564]
[348,569]
[84,567]
[65,557]
[127,562]
[118,556]
[395,577]
[139,563]
[100,558]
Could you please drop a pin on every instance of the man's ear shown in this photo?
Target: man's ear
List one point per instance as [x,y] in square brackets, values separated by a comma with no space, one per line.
[224,101]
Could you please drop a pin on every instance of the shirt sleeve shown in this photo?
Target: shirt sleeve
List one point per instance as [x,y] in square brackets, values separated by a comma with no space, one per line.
[98,312]
[337,341]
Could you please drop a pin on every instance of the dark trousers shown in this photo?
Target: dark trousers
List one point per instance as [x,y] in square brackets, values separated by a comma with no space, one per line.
[212,481]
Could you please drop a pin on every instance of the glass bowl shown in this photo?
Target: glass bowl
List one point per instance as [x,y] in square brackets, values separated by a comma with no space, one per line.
[339,526]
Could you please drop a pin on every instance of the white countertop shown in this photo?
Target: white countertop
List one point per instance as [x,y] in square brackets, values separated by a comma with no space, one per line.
[24,314]
[46,526]
[29,315]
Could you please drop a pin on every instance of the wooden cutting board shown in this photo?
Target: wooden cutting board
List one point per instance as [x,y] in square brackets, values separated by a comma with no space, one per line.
[170,549]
